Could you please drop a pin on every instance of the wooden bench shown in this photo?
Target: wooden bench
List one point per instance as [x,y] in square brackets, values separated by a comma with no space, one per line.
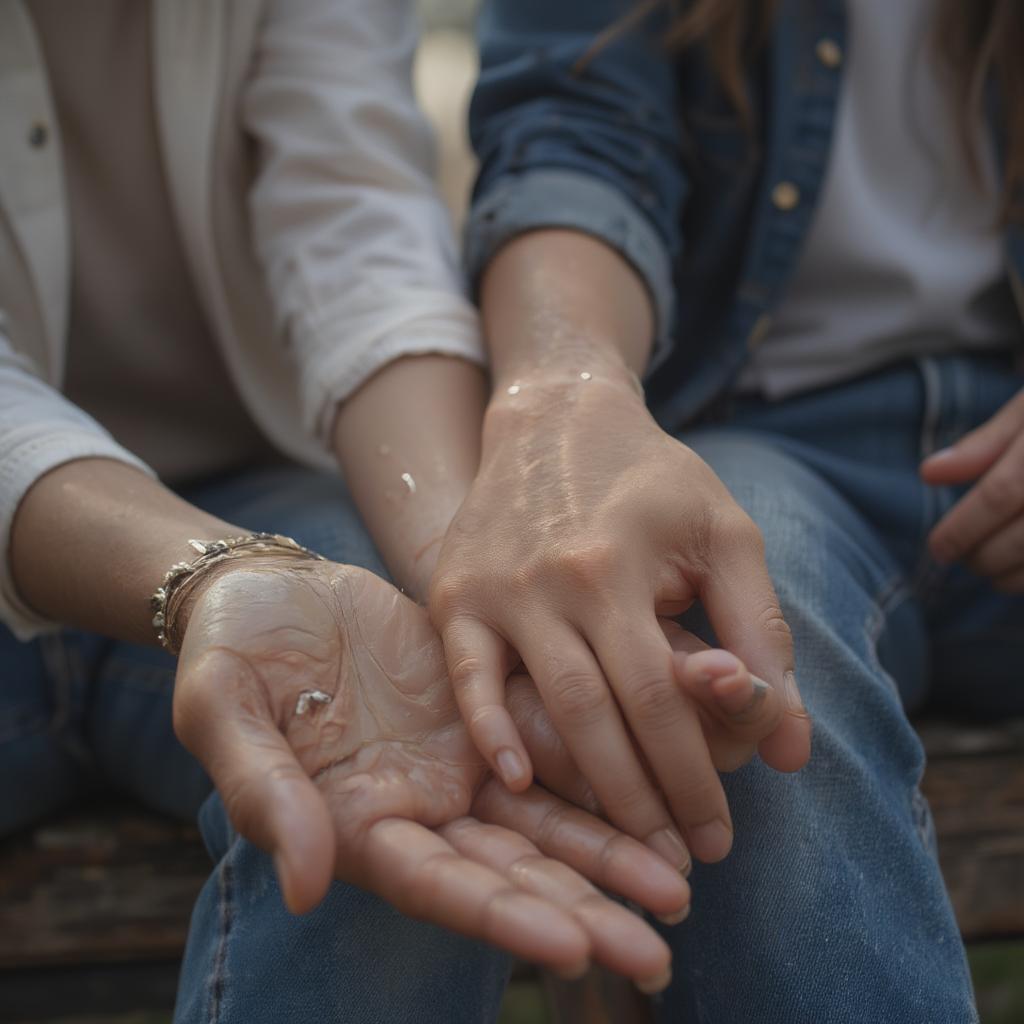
[94,907]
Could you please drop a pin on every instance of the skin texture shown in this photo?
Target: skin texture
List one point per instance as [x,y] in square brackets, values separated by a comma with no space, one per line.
[401,803]
[585,523]
[419,416]
[382,786]
[985,529]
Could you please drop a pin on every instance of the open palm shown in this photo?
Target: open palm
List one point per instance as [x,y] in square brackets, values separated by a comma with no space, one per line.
[317,697]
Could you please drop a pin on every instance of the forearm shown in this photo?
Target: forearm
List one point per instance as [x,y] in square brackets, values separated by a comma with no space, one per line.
[409,445]
[559,303]
[92,540]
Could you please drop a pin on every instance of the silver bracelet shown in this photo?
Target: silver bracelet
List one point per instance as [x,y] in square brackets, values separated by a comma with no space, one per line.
[166,602]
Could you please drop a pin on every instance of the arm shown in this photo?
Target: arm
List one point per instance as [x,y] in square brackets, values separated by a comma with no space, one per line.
[408,442]
[392,801]
[586,519]
[41,437]
[362,266]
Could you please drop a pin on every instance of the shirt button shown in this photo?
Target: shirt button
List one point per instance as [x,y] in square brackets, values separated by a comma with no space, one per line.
[38,135]
[829,53]
[785,196]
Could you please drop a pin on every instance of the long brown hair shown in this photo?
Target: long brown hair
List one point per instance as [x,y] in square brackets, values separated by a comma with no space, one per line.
[980,41]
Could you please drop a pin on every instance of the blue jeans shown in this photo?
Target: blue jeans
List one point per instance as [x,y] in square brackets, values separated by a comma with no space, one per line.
[80,713]
[830,908]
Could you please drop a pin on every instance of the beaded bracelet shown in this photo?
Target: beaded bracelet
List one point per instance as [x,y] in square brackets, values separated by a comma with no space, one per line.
[166,602]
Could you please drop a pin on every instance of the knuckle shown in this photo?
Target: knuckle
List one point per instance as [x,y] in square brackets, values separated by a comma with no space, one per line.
[986,563]
[590,567]
[464,671]
[728,531]
[447,593]
[242,799]
[630,799]
[653,701]
[1003,492]
[550,827]
[695,795]
[419,898]
[772,621]
[579,697]
[735,528]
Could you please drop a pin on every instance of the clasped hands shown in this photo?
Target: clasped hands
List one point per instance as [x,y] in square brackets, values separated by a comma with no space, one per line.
[356,736]
[317,697]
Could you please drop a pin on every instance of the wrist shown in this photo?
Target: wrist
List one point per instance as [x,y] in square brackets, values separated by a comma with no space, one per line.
[185,584]
[563,396]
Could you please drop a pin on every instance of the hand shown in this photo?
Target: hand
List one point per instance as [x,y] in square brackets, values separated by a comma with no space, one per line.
[736,710]
[985,529]
[316,697]
[585,523]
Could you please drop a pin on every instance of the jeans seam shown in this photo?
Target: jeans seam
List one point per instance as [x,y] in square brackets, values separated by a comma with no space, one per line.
[226,919]
[890,594]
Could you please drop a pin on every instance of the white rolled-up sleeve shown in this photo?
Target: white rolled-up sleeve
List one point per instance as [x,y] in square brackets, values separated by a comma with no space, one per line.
[356,243]
[39,431]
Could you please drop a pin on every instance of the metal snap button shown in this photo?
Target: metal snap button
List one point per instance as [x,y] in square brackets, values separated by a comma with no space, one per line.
[829,53]
[785,196]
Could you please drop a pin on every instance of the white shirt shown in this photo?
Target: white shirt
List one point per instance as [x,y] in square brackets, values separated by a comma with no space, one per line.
[904,254]
[300,176]
[141,358]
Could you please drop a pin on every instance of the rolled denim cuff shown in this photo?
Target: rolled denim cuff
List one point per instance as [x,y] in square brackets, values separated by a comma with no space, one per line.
[553,198]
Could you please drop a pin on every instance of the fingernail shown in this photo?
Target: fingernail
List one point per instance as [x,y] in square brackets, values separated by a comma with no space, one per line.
[710,841]
[677,918]
[794,705]
[572,973]
[750,709]
[660,982]
[942,453]
[668,844]
[510,765]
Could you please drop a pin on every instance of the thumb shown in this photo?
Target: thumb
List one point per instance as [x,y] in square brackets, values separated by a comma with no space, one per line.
[746,708]
[977,450]
[222,717]
[745,614]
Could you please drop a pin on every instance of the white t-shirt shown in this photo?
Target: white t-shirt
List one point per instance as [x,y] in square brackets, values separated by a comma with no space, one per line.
[904,255]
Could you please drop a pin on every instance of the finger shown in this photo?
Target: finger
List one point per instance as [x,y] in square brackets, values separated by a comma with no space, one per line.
[599,852]
[637,659]
[743,705]
[584,712]
[421,874]
[620,940]
[1011,582]
[1001,553]
[477,660]
[996,499]
[552,763]
[268,797]
[977,450]
[727,752]
[745,614]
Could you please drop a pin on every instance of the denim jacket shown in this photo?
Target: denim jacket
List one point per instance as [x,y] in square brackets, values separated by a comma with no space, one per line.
[644,150]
